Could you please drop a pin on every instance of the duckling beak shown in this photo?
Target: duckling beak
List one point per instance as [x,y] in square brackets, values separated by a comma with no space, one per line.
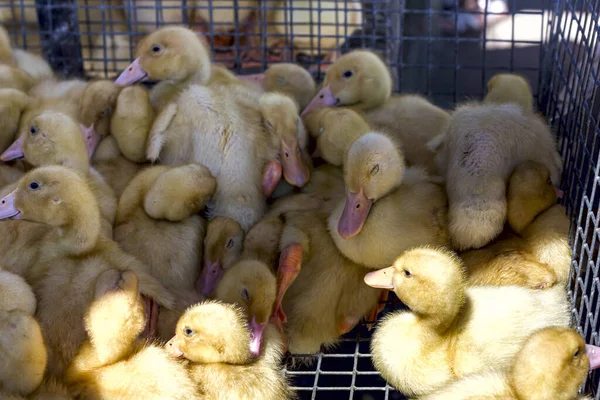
[14,151]
[7,207]
[559,193]
[173,349]
[253,78]
[256,331]
[209,278]
[91,137]
[295,170]
[593,353]
[354,216]
[381,279]
[323,98]
[132,74]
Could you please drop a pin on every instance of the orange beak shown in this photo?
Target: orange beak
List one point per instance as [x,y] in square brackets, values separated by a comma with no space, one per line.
[354,216]
[295,170]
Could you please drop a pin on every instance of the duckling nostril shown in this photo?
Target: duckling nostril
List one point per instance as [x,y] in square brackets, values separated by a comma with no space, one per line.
[357,206]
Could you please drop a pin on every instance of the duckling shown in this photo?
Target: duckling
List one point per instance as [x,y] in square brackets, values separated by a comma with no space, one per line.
[509,88]
[113,362]
[159,206]
[33,65]
[450,330]
[484,143]
[360,80]
[12,104]
[262,241]
[286,78]
[222,247]
[552,364]
[509,260]
[55,139]
[97,104]
[214,338]
[15,78]
[15,293]
[116,170]
[388,208]
[72,254]
[335,130]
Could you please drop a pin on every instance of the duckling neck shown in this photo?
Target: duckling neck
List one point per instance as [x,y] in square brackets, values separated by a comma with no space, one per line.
[446,315]
[78,236]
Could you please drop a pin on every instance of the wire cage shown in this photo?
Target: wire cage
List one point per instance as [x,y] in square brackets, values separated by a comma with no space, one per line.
[445,49]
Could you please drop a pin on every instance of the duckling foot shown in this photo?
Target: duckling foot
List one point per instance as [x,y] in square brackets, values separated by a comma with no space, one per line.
[271,177]
[371,315]
[151,308]
[290,265]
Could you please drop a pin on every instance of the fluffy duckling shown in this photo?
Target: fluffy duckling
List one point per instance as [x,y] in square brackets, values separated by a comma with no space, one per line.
[286,78]
[450,330]
[509,260]
[97,104]
[335,130]
[484,143]
[12,104]
[361,80]
[388,208]
[113,362]
[55,139]
[159,206]
[552,364]
[214,338]
[509,88]
[116,170]
[72,254]
[35,66]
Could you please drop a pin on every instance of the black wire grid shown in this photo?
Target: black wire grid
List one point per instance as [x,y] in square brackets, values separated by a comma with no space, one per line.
[440,48]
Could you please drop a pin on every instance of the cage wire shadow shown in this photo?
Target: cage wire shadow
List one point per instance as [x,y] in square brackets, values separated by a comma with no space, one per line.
[434,47]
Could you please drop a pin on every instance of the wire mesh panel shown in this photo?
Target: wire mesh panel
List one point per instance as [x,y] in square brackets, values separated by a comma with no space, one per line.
[569,95]
[445,49]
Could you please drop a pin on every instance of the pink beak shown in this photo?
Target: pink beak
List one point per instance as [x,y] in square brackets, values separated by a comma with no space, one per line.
[354,216]
[593,353]
[209,278]
[91,137]
[323,98]
[7,207]
[173,349]
[559,193]
[14,151]
[295,170]
[254,78]
[256,331]
[132,74]
[381,279]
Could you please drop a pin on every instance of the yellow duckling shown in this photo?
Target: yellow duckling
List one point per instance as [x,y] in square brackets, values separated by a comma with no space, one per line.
[509,88]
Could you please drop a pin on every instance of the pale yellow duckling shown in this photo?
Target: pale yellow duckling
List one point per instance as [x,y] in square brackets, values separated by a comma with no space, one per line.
[56,139]
[214,338]
[12,105]
[509,88]
[97,105]
[35,66]
[450,330]
[361,80]
[157,222]
[286,78]
[483,144]
[388,208]
[72,254]
[335,130]
[510,259]
[552,364]
[113,363]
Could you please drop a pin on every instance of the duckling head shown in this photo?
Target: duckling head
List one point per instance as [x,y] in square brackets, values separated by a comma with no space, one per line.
[359,79]
[251,285]
[212,332]
[430,281]
[552,363]
[373,167]
[53,195]
[530,192]
[171,53]
[509,88]
[335,130]
[23,353]
[180,193]
[97,104]
[222,247]
[280,115]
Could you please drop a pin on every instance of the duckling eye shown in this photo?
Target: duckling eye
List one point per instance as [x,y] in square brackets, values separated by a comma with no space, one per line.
[280,80]
[577,354]
[33,130]
[321,129]
[156,48]
[375,169]
[34,185]
[245,294]
[229,243]
[188,332]
[347,74]
[407,273]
